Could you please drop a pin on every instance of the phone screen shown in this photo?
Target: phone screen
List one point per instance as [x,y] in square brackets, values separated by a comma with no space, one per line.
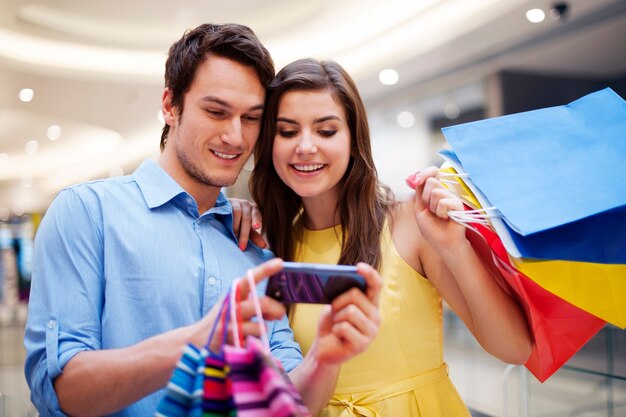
[313,283]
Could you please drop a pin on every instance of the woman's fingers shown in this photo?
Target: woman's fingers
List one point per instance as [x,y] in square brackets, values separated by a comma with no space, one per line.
[373,281]
[237,213]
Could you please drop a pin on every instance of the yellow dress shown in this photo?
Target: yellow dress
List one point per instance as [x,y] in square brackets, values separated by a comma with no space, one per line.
[402,373]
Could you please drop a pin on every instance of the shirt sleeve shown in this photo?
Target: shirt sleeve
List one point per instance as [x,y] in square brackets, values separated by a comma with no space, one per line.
[65,305]
[282,344]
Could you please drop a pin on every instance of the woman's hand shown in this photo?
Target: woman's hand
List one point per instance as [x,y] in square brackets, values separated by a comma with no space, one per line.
[432,202]
[350,323]
[247,223]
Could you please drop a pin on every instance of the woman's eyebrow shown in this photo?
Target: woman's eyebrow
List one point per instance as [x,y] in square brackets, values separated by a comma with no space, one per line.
[286,120]
[325,119]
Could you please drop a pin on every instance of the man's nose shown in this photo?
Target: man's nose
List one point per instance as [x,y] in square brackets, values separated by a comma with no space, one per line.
[232,133]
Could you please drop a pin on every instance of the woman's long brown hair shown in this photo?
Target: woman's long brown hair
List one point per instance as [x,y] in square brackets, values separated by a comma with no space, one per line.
[364,203]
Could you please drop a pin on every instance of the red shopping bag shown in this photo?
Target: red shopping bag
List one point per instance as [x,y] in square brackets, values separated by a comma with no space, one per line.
[559,329]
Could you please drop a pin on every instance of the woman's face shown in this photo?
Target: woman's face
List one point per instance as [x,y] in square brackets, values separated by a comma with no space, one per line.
[312,144]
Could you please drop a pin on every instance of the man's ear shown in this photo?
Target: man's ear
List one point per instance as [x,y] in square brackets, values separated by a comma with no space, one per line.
[167,108]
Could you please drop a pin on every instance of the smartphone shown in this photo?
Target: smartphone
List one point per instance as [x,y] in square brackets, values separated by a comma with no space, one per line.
[313,283]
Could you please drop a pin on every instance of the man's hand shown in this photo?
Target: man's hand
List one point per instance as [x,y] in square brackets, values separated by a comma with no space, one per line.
[350,323]
[247,223]
[271,309]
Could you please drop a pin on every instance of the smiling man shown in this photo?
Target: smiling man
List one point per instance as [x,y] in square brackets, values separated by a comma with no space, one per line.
[128,270]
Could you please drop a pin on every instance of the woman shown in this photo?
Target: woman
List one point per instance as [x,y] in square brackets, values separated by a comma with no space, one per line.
[317,189]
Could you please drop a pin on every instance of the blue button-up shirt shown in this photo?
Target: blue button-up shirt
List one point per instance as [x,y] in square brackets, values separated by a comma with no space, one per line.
[119,260]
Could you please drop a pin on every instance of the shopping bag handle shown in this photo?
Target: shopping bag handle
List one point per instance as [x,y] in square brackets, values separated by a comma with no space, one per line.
[235,313]
[235,310]
[257,306]
[224,317]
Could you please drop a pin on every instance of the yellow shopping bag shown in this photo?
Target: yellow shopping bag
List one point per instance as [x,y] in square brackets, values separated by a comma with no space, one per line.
[599,289]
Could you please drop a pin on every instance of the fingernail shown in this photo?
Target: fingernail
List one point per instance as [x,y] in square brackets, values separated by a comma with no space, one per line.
[410,183]
[242,247]
[256,225]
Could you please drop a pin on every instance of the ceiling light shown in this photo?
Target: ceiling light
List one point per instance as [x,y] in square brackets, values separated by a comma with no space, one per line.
[4,157]
[31,147]
[65,55]
[451,111]
[388,76]
[535,15]
[26,94]
[54,132]
[405,119]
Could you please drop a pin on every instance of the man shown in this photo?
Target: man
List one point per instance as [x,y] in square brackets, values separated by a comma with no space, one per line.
[128,270]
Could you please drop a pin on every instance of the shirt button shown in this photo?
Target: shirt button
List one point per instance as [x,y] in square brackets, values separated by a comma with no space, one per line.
[212,281]
[51,324]
[189,200]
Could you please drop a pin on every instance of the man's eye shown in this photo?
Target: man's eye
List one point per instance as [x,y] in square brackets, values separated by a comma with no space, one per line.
[252,119]
[287,133]
[215,113]
[327,133]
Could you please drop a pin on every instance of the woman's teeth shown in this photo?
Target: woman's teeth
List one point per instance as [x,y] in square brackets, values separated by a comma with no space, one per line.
[308,168]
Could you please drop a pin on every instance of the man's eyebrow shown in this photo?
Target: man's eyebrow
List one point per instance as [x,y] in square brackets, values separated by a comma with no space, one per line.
[217,100]
[214,99]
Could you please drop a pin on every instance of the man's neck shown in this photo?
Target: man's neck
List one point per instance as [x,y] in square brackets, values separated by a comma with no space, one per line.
[204,195]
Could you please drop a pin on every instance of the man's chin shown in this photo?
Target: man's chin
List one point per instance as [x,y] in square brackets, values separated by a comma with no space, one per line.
[222,182]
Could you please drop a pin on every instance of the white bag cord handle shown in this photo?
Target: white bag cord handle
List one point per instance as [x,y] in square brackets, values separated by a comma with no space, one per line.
[257,308]
[233,312]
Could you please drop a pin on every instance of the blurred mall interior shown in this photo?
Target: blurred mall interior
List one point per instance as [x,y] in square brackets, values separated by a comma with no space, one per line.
[80,91]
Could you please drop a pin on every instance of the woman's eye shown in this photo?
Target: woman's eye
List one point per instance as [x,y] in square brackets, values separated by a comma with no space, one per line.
[327,133]
[287,133]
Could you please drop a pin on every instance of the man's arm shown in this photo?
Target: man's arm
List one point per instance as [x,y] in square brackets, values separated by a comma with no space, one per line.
[66,367]
[124,376]
[345,330]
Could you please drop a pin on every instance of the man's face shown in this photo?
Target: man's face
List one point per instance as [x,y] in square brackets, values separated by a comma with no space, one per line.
[212,139]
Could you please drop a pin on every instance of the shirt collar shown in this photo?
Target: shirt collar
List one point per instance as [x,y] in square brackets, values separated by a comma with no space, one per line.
[158,187]
[155,184]
[222,205]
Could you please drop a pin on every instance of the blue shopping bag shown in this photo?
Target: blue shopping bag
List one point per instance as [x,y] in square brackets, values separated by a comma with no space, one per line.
[549,167]
[600,238]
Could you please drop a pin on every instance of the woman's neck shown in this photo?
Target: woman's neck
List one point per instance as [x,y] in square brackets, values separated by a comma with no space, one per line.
[320,212]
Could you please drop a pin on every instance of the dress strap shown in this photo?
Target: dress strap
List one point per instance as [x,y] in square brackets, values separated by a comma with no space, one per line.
[358,404]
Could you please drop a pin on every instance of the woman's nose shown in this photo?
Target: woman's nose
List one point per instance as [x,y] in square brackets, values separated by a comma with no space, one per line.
[306,144]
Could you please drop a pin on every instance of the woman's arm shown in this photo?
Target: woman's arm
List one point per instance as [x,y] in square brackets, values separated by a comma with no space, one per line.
[448,260]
